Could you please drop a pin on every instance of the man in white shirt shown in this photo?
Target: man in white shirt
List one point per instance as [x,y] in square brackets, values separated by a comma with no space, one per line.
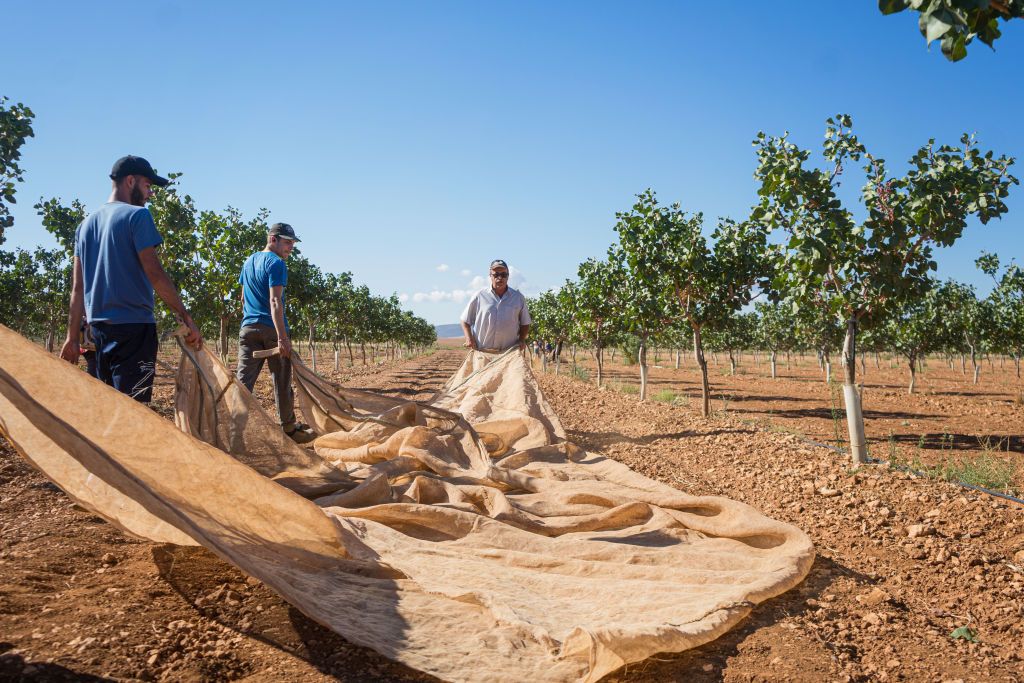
[496,318]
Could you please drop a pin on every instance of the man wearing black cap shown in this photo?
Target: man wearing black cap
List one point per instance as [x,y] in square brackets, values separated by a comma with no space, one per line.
[115,270]
[496,318]
[264,326]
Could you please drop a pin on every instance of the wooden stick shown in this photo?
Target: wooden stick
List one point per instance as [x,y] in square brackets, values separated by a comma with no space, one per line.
[267,353]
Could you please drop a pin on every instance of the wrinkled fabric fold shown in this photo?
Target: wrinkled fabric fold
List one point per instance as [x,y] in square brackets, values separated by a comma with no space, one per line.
[465,536]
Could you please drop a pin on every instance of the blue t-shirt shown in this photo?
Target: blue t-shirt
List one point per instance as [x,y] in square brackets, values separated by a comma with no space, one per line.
[261,271]
[107,244]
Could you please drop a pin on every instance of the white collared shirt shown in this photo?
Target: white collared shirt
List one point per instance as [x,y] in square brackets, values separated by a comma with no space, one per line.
[495,320]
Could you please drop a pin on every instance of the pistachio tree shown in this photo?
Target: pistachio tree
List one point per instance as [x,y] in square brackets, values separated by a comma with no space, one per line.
[340,315]
[681,275]
[884,260]
[915,330]
[642,307]
[223,242]
[955,23]
[774,330]
[596,296]
[15,129]
[51,286]
[1007,306]
[552,321]
[965,323]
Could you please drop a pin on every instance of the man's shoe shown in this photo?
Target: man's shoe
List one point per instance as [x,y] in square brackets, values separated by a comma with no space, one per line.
[301,433]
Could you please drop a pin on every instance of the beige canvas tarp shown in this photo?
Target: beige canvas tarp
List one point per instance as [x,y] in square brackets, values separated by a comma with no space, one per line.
[504,554]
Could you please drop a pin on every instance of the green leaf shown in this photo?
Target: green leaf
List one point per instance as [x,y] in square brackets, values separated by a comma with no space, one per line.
[964,633]
[892,6]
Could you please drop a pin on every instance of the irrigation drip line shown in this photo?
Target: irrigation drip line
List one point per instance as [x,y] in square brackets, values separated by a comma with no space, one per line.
[923,475]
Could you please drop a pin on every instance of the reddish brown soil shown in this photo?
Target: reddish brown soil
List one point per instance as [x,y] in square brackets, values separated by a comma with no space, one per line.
[948,418]
[80,600]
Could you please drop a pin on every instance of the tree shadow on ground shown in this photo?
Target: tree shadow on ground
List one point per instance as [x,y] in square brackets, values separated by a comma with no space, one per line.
[14,667]
[740,398]
[826,413]
[599,440]
[997,443]
[709,661]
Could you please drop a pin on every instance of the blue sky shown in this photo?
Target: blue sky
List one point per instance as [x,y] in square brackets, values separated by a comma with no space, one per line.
[413,142]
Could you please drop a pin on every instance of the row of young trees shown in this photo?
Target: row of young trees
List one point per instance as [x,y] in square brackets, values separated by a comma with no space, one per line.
[838,280]
[203,252]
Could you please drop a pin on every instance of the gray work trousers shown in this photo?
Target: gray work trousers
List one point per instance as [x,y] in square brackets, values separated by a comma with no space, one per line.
[258,338]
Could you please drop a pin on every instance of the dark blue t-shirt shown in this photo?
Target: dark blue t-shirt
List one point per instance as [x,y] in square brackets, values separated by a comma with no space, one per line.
[107,244]
[261,271]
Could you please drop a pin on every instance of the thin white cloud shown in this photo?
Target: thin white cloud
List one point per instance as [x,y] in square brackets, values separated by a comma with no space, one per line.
[465,272]
[442,268]
[437,296]
[478,282]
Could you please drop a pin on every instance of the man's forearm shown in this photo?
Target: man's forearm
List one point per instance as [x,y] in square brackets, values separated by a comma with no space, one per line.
[76,311]
[277,315]
[524,332]
[467,332]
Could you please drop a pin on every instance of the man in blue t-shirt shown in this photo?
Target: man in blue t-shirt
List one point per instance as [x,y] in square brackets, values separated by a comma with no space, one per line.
[115,270]
[263,279]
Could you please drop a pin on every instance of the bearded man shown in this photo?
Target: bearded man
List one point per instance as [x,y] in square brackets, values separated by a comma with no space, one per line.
[115,270]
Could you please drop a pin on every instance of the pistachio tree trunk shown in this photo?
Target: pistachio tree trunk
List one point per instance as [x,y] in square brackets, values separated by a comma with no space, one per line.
[705,390]
[600,366]
[851,398]
[773,363]
[732,363]
[913,373]
[224,337]
[642,360]
[678,354]
[312,348]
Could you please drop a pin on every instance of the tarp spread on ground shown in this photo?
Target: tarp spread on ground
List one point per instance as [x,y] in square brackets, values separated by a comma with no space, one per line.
[500,552]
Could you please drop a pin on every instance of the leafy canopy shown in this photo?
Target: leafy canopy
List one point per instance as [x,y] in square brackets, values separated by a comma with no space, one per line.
[955,23]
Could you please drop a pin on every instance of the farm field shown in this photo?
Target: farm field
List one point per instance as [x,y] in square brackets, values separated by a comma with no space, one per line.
[948,419]
[902,563]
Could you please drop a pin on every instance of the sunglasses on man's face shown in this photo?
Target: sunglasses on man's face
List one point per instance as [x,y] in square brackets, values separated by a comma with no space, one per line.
[499,275]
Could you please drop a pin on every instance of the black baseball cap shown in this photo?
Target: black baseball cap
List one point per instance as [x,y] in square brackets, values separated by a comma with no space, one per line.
[283,230]
[499,262]
[132,165]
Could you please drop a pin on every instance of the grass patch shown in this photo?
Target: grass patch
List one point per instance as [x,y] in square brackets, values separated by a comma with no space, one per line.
[985,470]
[581,373]
[626,388]
[666,396]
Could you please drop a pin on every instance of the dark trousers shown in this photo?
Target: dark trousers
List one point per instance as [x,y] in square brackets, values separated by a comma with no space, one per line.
[90,362]
[126,357]
[258,338]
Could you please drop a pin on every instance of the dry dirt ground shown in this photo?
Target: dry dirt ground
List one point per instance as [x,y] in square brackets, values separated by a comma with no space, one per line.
[902,561]
[947,419]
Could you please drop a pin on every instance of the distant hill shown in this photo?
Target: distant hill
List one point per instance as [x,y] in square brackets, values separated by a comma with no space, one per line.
[448,331]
